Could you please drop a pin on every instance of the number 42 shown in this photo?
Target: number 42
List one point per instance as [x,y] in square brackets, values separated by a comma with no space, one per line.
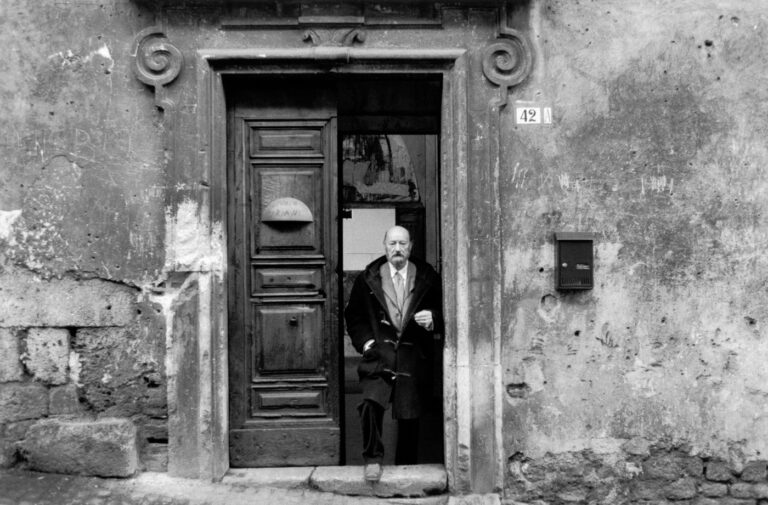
[533,115]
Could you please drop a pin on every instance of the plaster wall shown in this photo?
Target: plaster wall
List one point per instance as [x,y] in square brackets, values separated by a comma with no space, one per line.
[82,226]
[657,147]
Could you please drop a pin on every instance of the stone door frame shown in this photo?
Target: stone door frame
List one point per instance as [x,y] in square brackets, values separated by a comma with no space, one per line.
[198,422]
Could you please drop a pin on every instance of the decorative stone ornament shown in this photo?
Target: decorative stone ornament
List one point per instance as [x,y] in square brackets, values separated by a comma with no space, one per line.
[339,38]
[508,61]
[157,62]
[505,63]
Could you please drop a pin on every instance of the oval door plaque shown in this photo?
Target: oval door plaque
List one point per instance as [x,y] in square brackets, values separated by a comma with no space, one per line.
[288,210]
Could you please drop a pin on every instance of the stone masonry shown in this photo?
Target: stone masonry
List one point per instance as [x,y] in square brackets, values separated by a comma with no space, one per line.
[641,474]
[81,369]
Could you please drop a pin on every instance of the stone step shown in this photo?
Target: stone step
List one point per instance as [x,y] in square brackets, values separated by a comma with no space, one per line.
[291,477]
[396,481]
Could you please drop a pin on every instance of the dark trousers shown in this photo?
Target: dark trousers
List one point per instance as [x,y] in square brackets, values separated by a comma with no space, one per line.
[372,420]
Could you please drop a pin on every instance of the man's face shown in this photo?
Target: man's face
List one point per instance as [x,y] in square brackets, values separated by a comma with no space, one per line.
[397,245]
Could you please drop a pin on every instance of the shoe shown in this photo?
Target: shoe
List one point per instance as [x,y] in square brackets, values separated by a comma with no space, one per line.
[372,472]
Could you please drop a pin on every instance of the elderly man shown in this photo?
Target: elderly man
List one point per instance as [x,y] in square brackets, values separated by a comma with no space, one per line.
[394,310]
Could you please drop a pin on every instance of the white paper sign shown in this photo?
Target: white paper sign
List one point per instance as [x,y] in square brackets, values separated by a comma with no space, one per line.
[533,115]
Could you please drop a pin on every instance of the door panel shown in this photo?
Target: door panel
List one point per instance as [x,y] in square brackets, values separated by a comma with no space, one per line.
[284,384]
[287,339]
[299,182]
[284,281]
[287,140]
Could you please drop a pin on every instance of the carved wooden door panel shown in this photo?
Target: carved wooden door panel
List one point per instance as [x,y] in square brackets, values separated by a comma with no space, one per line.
[283,355]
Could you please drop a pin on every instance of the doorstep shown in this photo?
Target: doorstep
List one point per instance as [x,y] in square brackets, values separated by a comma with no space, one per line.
[396,481]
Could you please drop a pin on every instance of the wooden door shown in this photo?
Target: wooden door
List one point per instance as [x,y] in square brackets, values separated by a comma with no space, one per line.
[283,331]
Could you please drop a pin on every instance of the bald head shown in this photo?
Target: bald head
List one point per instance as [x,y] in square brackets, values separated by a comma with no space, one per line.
[397,246]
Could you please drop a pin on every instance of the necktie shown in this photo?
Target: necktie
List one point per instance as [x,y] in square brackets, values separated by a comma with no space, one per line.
[399,290]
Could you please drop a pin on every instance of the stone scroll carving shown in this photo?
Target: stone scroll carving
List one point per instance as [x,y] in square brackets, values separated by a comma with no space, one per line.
[157,62]
[337,38]
[508,61]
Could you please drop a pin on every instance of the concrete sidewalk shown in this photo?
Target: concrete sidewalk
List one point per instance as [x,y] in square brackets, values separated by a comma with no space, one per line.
[18,487]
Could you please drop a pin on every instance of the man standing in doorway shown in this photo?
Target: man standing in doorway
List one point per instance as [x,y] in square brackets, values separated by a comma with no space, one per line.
[393,314]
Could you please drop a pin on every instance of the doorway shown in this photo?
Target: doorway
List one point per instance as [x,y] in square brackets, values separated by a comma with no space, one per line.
[318,167]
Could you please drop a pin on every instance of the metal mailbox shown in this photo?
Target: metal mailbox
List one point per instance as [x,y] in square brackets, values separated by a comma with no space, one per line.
[574,260]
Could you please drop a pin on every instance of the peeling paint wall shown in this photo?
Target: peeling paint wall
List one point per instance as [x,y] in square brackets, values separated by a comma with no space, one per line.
[82,225]
[658,147]
[82,160]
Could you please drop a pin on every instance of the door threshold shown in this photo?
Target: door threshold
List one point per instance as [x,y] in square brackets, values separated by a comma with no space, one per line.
[396,481]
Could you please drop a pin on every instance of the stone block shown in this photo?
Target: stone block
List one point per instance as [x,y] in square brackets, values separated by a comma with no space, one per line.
[484,499]
[121,371]
[637,447]
[18,430]
[713,489]
[663,466]
[8,455]
[62,400]
[701,500]
[25,301]
[572,496]
[727,500]
[754,491]
[10,434]
[693,466]
[10,364]
[406,481]
[47,354]
[681,489]
[154,457]
[718,471]
[153,429]
[282,477]
[103,447]
[754,471]
[19,401]
[647,489]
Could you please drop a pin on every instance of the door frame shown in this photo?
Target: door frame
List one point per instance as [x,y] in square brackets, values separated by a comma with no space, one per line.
[203,406]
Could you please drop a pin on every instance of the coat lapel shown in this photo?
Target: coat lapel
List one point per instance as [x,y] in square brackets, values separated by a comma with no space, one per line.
[409,291]
[373,279]
[418,285]
[386,283]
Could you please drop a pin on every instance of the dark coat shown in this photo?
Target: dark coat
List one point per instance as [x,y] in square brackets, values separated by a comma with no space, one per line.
[396,368]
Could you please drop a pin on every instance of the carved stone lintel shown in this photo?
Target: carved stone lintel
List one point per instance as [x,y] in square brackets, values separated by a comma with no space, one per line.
[345,37]
[157,62]
[507,61]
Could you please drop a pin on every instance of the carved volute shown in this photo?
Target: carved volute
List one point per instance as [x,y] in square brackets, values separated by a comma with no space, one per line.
[157,62]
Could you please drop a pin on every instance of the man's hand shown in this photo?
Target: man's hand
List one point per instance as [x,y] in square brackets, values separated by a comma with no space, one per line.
[424,319]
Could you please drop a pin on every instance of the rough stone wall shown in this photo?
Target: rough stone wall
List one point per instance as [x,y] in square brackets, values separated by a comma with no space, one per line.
[658,147]
[641,473]
[81,226]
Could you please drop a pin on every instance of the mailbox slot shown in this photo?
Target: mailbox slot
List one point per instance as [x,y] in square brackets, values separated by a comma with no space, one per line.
[574,262]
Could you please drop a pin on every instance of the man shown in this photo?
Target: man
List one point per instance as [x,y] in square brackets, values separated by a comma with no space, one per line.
[394,311]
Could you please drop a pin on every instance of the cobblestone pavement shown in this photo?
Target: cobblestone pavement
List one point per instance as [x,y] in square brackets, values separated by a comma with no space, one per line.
[30,488]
